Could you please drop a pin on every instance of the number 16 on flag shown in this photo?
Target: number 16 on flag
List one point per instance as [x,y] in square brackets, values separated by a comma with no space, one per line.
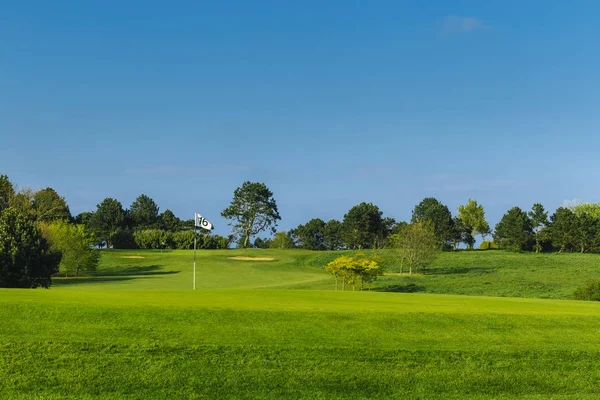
[202,222]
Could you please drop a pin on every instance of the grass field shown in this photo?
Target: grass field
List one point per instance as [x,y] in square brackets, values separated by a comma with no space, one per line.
[136,330]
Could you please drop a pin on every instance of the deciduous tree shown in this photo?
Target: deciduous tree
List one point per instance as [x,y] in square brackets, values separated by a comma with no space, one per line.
[281,240]
[357,270]
[75,244]
[563,229]
[49,206]
[252,210]
[473,218]
[416,245]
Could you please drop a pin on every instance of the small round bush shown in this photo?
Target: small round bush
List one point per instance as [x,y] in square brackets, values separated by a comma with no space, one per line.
[590,291]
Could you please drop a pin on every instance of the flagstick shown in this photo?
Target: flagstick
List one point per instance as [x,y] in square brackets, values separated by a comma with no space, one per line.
[194,284]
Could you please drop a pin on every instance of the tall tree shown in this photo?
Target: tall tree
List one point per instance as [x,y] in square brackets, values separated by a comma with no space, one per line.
[49,206]
[169,222]
[252,210]
[144,213]
[311,236]
[433,211]
[361,226]
[514,230]
[563,229]
[539,219]
[473,217]
[7,192]
[25,258]
[588,233]
[416,245]
[108,220]
[332,232]
[462,234]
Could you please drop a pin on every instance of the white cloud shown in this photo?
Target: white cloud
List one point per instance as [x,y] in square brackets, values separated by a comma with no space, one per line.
[455,24]
[572,203]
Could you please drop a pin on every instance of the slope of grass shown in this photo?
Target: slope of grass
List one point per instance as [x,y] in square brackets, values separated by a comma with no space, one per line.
[172,270]
[487,273]
[499,273]
[297,344]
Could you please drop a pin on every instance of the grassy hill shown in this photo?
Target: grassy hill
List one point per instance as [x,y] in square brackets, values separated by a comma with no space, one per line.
[137,330]
[479,273]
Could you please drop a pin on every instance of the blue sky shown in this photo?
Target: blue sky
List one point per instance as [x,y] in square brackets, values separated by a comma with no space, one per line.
[329,103]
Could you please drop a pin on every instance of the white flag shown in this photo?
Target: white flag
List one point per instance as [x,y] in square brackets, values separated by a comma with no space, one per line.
[202,222]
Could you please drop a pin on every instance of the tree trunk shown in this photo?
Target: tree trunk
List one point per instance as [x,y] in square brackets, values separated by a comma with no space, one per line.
[410,270]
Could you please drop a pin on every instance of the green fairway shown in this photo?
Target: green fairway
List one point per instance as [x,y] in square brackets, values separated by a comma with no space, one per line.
[216,269]
[137,330]
[480,273]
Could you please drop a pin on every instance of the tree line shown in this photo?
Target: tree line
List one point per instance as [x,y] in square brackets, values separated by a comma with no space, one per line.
[568,229]
[39,237]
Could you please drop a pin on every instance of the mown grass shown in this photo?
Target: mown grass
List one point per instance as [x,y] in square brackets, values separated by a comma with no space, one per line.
[295,344]
[136,330]
[479,273]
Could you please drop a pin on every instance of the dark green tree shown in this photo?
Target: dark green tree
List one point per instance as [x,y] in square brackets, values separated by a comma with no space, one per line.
[169,222]
[361,226]
[311,236]
[261,243]
[438,215]
[562,229]
[108,220]
[25,258]
[83,218]
[144,213]
[49,206]
[462,234]
[514,231]
[539,219]
[252,210]
[7,192]
[388,225]
[332,235]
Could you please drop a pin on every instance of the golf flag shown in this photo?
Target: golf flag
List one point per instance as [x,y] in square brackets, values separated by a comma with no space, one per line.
[202,222]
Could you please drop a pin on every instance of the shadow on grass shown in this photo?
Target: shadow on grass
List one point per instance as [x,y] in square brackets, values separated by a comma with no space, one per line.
[112,275]
[458,270]
[137,270]
[83,280]
[410,288]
